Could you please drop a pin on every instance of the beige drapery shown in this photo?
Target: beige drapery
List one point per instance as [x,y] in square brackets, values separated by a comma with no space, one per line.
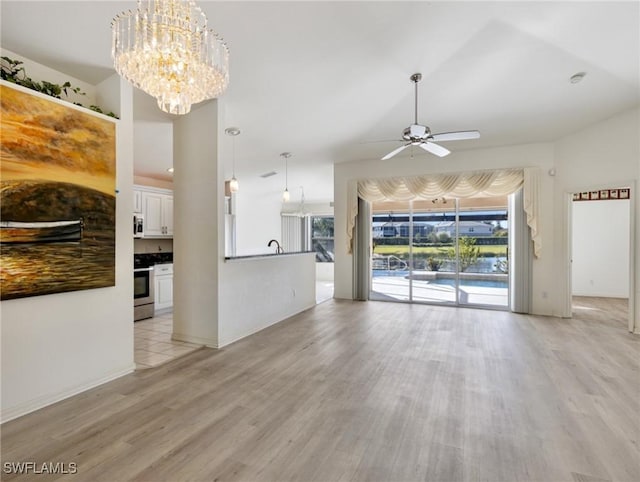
[458,185]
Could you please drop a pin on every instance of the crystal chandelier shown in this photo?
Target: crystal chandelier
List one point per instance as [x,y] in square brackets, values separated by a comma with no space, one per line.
[166,49]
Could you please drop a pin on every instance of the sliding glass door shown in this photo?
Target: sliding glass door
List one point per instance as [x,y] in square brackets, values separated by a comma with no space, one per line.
[483,235]
[442,251]
[391,256]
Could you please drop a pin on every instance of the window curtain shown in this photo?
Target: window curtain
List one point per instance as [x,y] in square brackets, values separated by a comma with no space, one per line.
[520,255]
[362,251]
[295,233]
[460,185]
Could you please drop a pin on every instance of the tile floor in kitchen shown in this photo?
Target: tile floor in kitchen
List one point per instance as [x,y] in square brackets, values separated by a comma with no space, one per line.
[153,344]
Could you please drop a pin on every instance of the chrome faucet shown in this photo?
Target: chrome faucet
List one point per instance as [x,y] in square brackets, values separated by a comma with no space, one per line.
[279,249]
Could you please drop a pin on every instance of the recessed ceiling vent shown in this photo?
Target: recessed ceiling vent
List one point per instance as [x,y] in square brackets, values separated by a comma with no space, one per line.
[268,174]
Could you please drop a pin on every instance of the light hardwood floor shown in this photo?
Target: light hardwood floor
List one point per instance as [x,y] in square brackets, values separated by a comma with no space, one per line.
[364,392]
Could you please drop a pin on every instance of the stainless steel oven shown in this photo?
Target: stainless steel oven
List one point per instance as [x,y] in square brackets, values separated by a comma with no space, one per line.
[143,295]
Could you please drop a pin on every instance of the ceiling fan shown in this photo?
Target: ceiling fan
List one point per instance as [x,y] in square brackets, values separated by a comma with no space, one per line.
[419,135]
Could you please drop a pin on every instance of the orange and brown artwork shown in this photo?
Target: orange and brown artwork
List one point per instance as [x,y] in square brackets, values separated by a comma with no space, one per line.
[57,196]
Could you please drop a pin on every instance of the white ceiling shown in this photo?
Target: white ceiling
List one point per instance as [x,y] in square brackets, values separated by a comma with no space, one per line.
[319,78]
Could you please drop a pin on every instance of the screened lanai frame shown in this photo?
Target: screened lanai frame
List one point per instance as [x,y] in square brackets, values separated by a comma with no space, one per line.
[409,277]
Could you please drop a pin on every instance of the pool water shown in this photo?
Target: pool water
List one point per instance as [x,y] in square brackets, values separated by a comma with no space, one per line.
[472,282]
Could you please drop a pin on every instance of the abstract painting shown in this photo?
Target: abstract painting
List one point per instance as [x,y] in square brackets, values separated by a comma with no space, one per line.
[57,196]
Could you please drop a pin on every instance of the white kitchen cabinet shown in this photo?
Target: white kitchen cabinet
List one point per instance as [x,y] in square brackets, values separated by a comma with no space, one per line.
[157,209]
[163,286]
[137,201]
[167,215]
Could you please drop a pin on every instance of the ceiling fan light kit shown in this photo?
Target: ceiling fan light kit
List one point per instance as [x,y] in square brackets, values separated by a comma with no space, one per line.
[421,136]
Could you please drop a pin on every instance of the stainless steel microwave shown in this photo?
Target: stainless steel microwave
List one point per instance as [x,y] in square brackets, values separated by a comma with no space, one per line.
[138,225]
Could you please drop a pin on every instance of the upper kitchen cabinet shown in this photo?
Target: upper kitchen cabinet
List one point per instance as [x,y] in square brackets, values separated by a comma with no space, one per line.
[157,209]
[137,201]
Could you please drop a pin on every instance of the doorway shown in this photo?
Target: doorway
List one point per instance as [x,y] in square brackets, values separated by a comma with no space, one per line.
[441,251]
[601,253]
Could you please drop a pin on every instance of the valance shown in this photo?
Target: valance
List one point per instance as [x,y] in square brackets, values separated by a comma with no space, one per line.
[458,185]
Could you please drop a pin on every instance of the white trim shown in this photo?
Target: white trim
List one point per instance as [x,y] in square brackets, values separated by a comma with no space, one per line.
[566,237]
[45,400]
[566,310]
[633,262]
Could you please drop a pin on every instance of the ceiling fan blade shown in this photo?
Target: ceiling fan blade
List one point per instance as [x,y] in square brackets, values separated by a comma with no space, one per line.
[435,149]
[455,136]
[395,151]
[383,140]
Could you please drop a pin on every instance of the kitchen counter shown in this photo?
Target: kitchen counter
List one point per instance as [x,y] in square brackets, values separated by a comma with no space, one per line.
[144,260]
[265,255]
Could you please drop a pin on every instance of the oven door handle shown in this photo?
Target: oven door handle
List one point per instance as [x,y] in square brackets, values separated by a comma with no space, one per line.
[137,270]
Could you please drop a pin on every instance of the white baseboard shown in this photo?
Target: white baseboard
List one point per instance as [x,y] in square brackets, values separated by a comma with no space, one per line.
[49,399]
[599,295]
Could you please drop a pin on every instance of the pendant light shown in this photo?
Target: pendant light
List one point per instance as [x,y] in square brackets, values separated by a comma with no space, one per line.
[234,185]
[285,195]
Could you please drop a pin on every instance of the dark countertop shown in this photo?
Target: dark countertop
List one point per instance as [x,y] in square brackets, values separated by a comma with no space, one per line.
[144,260]
[266,255]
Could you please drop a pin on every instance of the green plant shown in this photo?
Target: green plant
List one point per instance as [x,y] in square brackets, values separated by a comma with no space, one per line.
[468,252]
[13,71]
[434,264]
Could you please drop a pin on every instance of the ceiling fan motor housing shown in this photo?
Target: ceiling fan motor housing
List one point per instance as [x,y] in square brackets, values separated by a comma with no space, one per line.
[416,133]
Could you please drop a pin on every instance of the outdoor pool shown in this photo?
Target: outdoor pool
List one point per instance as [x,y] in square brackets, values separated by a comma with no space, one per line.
[472,282]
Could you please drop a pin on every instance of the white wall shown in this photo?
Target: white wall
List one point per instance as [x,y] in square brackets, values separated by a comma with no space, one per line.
[258,292]
[259,203]
[57,345]
[325,271]
[218,302]
[600,254]
[153,147]
[603,155]
[198,198]
[531,155]
[142,245]
[257,219]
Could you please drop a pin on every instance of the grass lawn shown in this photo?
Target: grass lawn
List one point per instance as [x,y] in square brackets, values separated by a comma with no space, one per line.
[403,250]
